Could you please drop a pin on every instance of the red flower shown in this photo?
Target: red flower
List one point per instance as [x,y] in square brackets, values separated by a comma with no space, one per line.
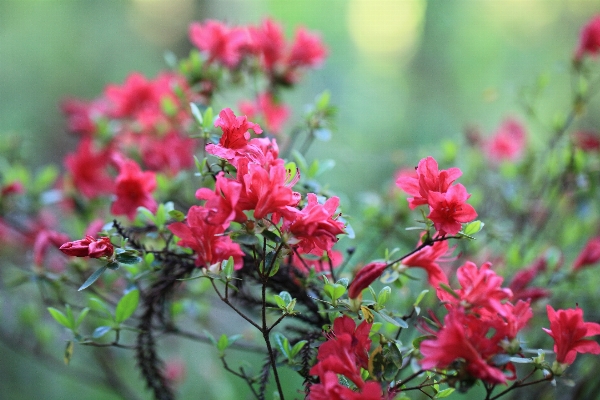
[479,288]
[275,113]
[314,228]
[220,42]
[569,331]
[269,42]
[88,169]
[587,141]
[89,247]
[206,239]
[462,337]
[133,189]
[222,203]
[360,337]
[427,258]
[589,39]
[507,143]
[523,278]
[170,153]
[449,210]
[429,179]
[365,277]
[44,240]
[81,115]
[307,50]
[589,255]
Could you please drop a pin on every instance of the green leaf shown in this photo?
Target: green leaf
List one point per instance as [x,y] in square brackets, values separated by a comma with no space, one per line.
[297,347]
[196,113]
[147,214]
[101,331]
[99,305]
[245,238]
[286,297]
[473,227]
[60,317]
[45,178]
[210,337]
[344,282]
[207,120]
[384,295]
[338,290]
[177,215]
[420,297]
[271,236]
[223,343]
[444,393]
[300,161]
[282,344]
[128,258]
[93,278]
[81,317]
[113,265]
[389,276]
[323,99]
[449,290]
[228,268]
[279,301]
[127,305]
[395,321]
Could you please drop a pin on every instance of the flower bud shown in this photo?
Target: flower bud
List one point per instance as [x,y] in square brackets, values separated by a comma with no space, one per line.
[365,277]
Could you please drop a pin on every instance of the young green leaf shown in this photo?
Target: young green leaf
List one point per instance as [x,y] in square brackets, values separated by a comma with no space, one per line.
[93,278]
[81,317]
[60,317]
[101,331]
[127,305]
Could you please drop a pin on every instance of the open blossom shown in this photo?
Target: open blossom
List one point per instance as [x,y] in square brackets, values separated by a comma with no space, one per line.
[88,169]
[206,239]
[507,143]
[589,255]
[171,153]
[235,135]
[480,287]
[521,280]
[429,179]
[275,113]
[462,338]
[133,189]
[89,247]
[427,258]
[314,228]
[449,210]
[589,39]
[220,42]
[307,50]
[569,331]
[365,276]
[223,202]
[344,353]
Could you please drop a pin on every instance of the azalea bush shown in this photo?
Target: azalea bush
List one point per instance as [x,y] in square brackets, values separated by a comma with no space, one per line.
[467,275]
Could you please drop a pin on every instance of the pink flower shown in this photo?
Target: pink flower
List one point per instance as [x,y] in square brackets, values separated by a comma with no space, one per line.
[429,179]
[266,192]
[171,153]
[269,42]
[275,113]
[44,240]
[365,277]
[220,42]
[427,258]
[88,169]
[587,141]
[136,96]
[507,143]
[133,189]
[222,203]
[82,116]
[314,228]
[235,135]
[589,255]
[462,338]
[307,50]
[449,210]
[479,288]
[89,247]
[206,239]
[569,331]
[524,277]
[589,39]
[12,188]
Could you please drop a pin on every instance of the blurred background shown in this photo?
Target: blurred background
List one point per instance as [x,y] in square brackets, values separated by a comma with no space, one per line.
[406,75]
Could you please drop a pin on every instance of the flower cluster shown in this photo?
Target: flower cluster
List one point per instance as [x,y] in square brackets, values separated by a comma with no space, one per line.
[481,325]
[447,202]
[344,353]
[262,187]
